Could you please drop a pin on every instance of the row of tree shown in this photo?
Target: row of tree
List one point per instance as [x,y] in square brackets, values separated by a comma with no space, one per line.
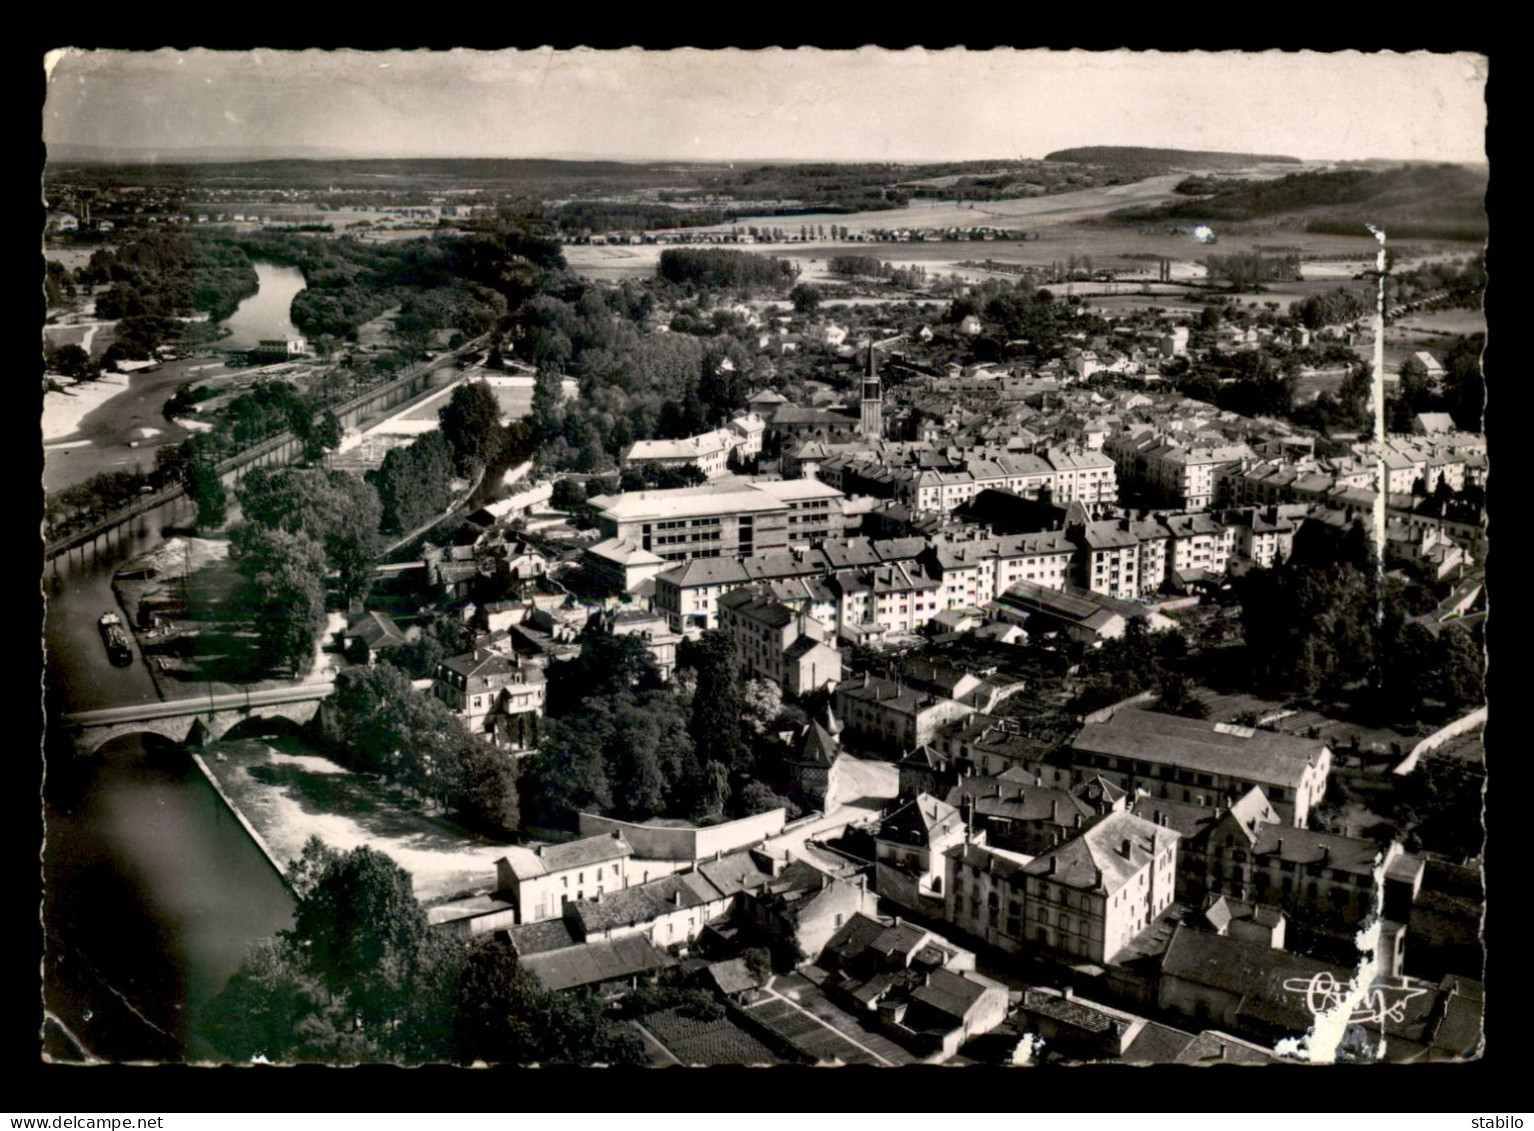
[717,269]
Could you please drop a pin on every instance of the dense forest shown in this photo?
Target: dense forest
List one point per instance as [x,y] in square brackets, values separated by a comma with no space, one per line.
[1413,201]
[459,281]
[160,277]
[1146,161]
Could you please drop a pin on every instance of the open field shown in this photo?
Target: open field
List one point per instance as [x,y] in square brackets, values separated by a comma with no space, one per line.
[1066,224]
[1021,212]
[76,255]
[1453,323]
[1430,332]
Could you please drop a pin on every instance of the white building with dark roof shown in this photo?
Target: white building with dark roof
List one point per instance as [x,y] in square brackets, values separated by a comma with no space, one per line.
[1089,896]
[499,697]
[541,881]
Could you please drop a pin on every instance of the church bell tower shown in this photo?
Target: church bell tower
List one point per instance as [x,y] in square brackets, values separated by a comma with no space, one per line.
[873,402]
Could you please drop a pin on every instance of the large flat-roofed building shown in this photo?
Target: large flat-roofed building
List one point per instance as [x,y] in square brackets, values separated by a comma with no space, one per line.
[814,508]
[1203,763]
[725,520]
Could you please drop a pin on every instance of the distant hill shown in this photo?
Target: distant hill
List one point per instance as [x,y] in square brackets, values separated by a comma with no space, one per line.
[71,154]
[1161,160]
[1421,201]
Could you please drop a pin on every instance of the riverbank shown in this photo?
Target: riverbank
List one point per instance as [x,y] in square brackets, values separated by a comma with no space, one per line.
[259,841]
[285,793]
[63,411]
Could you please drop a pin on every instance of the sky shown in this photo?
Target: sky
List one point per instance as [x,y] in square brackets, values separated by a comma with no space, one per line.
[804,104]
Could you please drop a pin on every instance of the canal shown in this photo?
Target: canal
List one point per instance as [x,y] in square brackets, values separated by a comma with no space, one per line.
[152,889]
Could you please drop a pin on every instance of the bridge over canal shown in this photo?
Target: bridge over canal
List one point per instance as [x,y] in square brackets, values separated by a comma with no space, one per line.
[194,721]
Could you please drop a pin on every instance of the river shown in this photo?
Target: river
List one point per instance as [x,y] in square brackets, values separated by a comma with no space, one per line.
[265,314]
[153,891]
[113,425]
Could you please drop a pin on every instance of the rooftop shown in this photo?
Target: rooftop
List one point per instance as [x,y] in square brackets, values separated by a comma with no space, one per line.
[529,863]
[1105,855]
[1243,752]
[592,963]
[686,502]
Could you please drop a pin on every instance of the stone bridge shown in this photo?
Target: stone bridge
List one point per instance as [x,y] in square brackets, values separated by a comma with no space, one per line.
[196,721]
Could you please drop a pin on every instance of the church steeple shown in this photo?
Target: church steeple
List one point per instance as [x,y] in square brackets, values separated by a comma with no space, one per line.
[873,402]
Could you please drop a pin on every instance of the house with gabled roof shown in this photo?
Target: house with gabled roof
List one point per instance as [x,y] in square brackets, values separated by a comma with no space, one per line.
[1089,896]
[540,881]
[909,866]
[497,696]
[370,634]
[1247,852]
[801,908]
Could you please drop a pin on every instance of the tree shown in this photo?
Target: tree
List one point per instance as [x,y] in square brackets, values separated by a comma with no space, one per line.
[757,797]
[1461,667]
[336,510]
[359,977]
[547,411]
[72,361]
[282,573]
[568,494]
[381,724]
[805,297]
[639,780]
[414,483]
[471,425]
[205,487]
[763,702]
[1408,665]
[324,436]
[1177,699]
[488,788]
[570,773]
[718,708]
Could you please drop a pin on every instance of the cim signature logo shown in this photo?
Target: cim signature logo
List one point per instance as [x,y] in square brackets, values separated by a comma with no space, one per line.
[1382,1002]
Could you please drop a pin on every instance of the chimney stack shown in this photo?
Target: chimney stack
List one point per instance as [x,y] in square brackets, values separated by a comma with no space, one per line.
[1124,848]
